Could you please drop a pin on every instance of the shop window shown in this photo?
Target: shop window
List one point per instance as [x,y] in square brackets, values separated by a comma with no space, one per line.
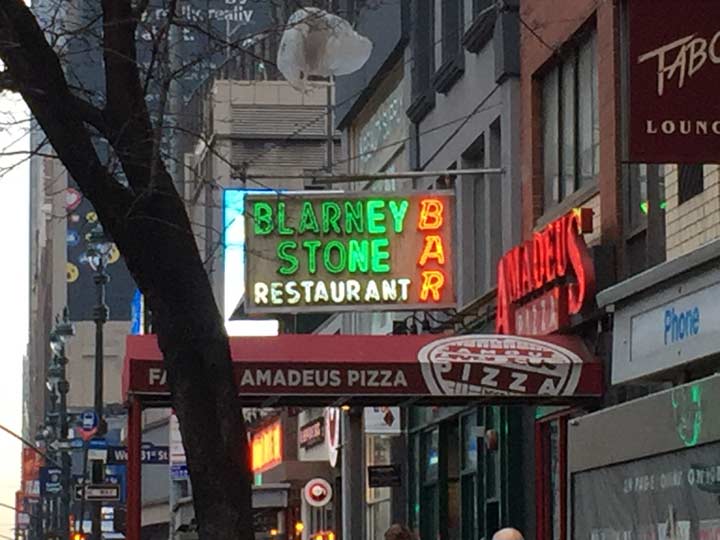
[423,65]
[491,500]
[690,182]
[570,124]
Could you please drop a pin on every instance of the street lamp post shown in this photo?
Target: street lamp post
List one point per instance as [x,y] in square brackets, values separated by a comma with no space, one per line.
[98,253]
[57,377]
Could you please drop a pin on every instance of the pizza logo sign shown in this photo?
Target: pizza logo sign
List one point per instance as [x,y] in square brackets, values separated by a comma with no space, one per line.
[499,365]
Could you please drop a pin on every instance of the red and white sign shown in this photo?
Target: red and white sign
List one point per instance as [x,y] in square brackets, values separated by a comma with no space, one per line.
[317,492]
[674,61]
[544,280]
[500,366]
[319,370]
[332,433]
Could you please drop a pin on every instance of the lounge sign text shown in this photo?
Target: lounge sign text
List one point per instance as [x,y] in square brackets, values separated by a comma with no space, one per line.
[544,280]
[674,65]
[329,252]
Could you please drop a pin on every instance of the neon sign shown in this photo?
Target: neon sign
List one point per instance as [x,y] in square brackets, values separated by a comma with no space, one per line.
[329,252]
[544,280]
[266,448]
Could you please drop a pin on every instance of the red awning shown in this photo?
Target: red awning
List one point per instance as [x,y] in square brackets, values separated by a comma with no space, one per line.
[313,369]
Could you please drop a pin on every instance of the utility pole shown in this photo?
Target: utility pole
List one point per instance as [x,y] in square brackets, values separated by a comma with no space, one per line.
[98,253]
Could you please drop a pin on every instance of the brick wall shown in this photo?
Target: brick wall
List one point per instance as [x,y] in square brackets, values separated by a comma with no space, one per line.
[547,26]
[696,221]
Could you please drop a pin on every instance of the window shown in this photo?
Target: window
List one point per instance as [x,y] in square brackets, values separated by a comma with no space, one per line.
[423,64]
[570,125]
[690,182]
[452,57]
[645,235]
[481,24]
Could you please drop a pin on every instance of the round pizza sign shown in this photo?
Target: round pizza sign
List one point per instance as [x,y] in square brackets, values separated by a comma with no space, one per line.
[317,492]
[499,365]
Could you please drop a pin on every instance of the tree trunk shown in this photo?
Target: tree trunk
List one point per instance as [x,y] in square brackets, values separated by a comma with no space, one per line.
[148,222]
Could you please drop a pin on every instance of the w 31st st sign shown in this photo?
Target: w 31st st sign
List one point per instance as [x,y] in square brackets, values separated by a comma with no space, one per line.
[149,454]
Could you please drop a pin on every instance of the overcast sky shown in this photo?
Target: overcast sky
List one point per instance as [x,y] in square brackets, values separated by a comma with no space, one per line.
[14,191]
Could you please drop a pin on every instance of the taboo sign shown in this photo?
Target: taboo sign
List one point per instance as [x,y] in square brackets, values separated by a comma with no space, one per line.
[320,369]
[674,67]
[331,252]
[544,280]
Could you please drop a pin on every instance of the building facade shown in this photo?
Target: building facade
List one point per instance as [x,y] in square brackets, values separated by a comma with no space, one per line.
[587,142]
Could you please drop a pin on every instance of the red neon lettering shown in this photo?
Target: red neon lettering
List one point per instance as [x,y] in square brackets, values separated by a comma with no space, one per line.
[432,284]
[433,250]
[582,265]
[556,251]
[431,215]
[549,241]
[538,261]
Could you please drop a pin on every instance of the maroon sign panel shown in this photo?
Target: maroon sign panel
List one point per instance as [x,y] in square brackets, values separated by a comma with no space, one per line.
[320,369]
[674,72]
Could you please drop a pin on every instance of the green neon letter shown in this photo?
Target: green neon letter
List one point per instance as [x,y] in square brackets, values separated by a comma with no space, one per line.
[335,267]
[262,218]
[398,209]
[282,227]
[290,260]
[379,254]
[311,246]
[358,256]
[354,217]
[330,217]
[375,216]
[308,221]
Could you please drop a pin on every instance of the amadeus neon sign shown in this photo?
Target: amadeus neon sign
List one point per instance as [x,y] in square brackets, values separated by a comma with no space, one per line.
[344,251]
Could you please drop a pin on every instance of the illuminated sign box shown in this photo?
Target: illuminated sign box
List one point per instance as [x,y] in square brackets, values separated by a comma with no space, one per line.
[266,448]
[348,251]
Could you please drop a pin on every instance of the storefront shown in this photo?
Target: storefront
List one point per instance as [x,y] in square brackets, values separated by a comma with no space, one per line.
[649,468]
[654,473]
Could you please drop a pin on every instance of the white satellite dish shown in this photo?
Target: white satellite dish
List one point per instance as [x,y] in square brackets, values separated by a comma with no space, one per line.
[317,43]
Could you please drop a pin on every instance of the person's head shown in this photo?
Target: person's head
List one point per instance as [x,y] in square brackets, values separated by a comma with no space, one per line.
[508,534]
[398,532]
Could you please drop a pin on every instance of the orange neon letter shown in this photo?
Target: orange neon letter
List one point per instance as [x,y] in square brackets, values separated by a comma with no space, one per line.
[432,283]
[433,250]
[431,215]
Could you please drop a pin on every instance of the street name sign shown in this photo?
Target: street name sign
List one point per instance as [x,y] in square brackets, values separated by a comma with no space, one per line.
[97,492]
